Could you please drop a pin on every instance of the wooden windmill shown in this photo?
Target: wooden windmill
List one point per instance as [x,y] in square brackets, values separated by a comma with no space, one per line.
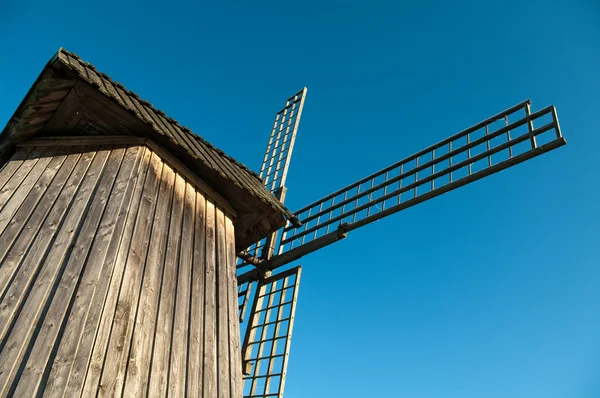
[119,230]
[497,143]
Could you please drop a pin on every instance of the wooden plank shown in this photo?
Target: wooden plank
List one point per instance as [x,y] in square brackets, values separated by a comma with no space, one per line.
[14,163]
[111,263]
[196,337]
[27,253]
[131,140]
[19,195]
[193,178]
[38,362]
[140,355]
[94,280]
[17,179]
[29,217]
[99,108]
[33,308]
[159,370]
[96,361]
[79,140]
[222,308]
[178,374]
[233,318]
[210,314]
[67,117]
[114,363]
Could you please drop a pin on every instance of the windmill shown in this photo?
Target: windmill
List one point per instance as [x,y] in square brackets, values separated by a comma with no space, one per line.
[492,145]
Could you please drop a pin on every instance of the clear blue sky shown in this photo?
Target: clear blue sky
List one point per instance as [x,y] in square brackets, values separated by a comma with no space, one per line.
[489,291]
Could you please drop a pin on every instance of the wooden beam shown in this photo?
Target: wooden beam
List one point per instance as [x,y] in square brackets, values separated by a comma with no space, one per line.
[189,175]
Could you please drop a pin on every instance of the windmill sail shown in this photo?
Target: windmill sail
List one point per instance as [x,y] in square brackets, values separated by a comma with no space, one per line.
[278,154]
[281,142]
[497,143]
[268,336]
[273,172]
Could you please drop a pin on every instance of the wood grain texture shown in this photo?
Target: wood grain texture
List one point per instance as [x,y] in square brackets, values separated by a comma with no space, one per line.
[210,365]
[86,300]
[30,215]
[28,251]
[32,311]
[235,357]
[94,367]
[159,372]
[62,299]
[222,275]
[115,360]
[82,356]
[179,340]
[12,200]
[117,277]
[11,167]
[140,356]
[196,324]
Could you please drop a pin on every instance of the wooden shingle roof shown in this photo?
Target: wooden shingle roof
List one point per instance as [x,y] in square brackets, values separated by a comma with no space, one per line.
[68,78]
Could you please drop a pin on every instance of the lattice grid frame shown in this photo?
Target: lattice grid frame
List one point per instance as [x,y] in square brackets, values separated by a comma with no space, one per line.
[269,333]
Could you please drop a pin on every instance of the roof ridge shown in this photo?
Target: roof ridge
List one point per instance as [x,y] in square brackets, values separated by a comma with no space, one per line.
[146,103]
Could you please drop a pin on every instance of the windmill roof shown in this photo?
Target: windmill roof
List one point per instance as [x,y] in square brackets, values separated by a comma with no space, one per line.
[67,73]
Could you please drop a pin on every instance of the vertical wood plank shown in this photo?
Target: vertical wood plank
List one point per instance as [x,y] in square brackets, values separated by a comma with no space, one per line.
[114,363]
[138,370]
[27,253]
[178,374]
[16,343]
[222,308]
[16,199]
[91,330]
[17,178]
[159,370]
[196,326]
[33,212]
[210,365]
[233,318]
[15,162]
[95,274]
[94,368]
[38,362]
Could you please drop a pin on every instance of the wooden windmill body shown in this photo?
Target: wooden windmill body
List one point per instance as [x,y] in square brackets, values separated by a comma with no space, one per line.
[131,249]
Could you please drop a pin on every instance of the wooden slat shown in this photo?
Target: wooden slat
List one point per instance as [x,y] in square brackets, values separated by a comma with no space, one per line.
[32,213]
[232,311]
[210,315]
[28,252]
[223,307]
[100,107]
[96,361]
[68,117]
[165,155]
[178,375]
[192,177]
[15,184]
[124,285]
[31,377]
[14,350]
[79,140]
[113,371]
[88,300]
[111,264]
[159,370]
[136,382]
[15,162]
[196,339]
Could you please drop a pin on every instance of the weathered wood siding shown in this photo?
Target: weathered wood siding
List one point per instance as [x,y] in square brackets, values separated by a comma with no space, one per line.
[117,278]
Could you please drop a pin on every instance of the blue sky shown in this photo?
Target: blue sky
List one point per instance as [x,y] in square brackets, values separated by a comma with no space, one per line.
[488,291]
